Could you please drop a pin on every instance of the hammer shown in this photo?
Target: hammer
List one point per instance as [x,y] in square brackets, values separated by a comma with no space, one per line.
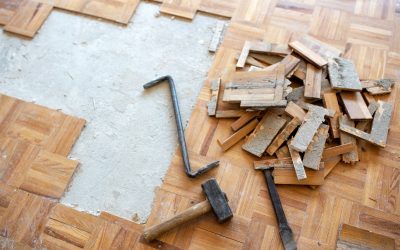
[284,229]
[216,201]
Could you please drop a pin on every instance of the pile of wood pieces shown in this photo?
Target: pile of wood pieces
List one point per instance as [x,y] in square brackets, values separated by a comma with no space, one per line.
[302,103]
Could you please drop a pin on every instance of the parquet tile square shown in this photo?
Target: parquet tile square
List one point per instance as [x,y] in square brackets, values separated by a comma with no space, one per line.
[330,23]
[49,129]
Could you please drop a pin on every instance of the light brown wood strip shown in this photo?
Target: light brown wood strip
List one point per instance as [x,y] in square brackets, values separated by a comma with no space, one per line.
[313,82]
[308,54]
[237,136]
[331,102]
[355,106]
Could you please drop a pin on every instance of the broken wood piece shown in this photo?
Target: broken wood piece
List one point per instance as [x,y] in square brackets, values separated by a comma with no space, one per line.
[272,163]
[308,54]
[289,62]
[264,133]
[258,89]
[243,54]
[324,50]
[312,156]
[351,237]
[331,102]
[261,47]
[338,150]
[267,59]
[362,125]
[296,94]
[352,156]
[283,135]
[313,82]
[282,152]
[308,106]
[234,113]
[378,87]
[330,164]
[312,121]
[212,104]
[233,139]
[217,36]
[295,110]
[253,62]
[380,126]
[244,119]
[285,173]
[355,105]
[343,74]
[301,70]
[297,164]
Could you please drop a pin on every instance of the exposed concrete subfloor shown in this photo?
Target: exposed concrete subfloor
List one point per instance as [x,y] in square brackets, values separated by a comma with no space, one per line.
[95,70]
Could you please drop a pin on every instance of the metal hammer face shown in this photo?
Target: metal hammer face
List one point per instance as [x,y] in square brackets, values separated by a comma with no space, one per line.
[218,200]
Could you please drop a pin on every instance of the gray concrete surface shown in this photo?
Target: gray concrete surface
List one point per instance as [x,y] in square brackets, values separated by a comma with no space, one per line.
[95,70]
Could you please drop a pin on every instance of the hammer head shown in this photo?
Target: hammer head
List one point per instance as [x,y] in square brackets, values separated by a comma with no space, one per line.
[218,200]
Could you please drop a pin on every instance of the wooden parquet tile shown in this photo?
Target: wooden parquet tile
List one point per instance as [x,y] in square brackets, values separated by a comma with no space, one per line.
[365,195]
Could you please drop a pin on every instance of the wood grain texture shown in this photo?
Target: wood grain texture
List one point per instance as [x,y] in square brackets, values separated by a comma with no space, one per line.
[312,156]
[212,104]
[283,135]
[297,163]
[350,157]
[182,8]
[263,134]
[238,135]
[28,18]
[355,106]
[119,11]
[331,102]
[313,82]
[308,54]
[351,237]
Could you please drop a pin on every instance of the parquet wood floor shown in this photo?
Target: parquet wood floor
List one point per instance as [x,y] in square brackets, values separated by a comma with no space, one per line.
[35,142]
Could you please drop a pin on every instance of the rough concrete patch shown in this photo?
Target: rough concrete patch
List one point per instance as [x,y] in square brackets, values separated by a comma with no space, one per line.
[95,70]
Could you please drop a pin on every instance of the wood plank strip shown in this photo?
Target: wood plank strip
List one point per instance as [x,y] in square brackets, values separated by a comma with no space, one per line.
[288,176]
[312,121]
[331,102]
[240,134]
[343,74]
[295,110]
[337,150]
[350,157]
[218,35]
[380,126]
[264,133]
[243,54]
[378,87]
[297,164]
[29,18]
[308,54]
[355,106]
[312,156]
[244,119]
[313,82]
[212,104]
[234,113]
[283,135]
[282,152]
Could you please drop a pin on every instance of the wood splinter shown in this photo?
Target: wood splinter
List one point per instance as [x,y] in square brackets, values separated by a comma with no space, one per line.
[297,164]
[212,104]
[380,126]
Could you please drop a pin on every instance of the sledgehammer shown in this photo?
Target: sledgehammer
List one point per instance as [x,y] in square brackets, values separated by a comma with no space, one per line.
[216,202]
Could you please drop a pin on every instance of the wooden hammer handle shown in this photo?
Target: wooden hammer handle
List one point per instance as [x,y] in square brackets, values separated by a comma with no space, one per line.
[193,212]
